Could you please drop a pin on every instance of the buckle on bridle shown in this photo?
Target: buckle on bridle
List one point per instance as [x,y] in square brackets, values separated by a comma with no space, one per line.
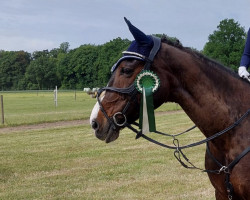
[224,169]
[116,120]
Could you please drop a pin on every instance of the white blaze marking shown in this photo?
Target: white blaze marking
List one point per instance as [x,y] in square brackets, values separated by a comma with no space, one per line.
[96,109]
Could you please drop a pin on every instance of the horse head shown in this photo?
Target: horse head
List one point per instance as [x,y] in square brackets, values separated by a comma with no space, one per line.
[118,103]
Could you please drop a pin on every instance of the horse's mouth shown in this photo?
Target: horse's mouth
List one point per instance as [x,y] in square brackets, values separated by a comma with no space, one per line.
[108,134]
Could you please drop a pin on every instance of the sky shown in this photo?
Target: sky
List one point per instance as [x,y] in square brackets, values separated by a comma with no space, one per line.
[35,25]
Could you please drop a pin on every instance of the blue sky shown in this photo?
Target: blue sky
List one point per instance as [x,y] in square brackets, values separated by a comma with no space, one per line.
[32,25]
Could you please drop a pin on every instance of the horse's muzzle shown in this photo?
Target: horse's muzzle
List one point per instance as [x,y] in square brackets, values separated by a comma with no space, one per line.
[95,125]
[107,133]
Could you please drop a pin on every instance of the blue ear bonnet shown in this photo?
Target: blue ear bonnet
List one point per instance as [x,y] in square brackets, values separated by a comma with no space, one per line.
[135,51]
[126,57]
[139,49]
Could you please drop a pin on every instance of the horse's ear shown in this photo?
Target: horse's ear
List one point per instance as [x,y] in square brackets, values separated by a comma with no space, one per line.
[139,36]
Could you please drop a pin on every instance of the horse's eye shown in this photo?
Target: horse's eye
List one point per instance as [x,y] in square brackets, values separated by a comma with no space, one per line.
[127,71]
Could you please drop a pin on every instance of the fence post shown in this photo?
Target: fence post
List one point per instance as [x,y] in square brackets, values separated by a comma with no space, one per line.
[55,96]
[2,109]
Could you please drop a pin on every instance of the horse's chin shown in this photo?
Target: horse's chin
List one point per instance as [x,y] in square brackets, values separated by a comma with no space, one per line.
[108,134]
[112,136]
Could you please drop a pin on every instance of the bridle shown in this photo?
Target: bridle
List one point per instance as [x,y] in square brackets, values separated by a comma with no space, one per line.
[131,90]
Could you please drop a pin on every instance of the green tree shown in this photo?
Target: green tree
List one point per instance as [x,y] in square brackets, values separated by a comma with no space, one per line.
[64,47]
[13,65]
[89,65]
[77,68]
[226,43]
[42,71]
[109,53]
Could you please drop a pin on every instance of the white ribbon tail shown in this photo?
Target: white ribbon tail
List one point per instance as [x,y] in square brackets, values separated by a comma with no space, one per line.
[145,122]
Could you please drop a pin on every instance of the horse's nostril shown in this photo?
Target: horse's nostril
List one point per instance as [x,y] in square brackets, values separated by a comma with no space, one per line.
[95,125]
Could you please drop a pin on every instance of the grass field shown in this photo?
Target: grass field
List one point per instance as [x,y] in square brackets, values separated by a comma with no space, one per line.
[37,107]
[70,163]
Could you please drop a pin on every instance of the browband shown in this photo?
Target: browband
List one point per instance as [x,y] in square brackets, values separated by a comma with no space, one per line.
[134,55]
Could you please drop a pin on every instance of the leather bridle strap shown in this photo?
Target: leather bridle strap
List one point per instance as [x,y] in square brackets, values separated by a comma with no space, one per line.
[131,90]
[226,169]
[153,52]
[127,90]
[149,60]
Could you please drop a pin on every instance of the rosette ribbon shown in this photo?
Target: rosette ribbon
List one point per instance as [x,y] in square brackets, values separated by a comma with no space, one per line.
[147,83]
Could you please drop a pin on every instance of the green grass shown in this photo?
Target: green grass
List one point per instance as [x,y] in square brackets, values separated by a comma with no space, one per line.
[37,107]
[32,107]
[70,163]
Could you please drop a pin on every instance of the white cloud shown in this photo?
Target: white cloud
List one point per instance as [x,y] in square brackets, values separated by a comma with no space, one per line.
[15,43]
[33,24]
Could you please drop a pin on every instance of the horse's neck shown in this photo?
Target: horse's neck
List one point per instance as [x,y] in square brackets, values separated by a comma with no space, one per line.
[211,102]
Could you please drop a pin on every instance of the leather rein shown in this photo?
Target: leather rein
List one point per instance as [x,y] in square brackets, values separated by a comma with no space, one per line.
[178,153]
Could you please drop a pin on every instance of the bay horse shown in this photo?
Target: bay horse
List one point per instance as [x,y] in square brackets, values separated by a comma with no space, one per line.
[213,97]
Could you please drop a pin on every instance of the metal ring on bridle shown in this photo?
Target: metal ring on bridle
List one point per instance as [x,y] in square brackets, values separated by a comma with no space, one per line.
[115,121]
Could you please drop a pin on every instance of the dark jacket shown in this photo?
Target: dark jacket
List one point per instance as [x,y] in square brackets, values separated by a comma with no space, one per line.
[245,59]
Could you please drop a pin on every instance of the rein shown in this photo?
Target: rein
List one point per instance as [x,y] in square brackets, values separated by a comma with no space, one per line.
[178,149]
[139,134]
[132,92]
[178,154]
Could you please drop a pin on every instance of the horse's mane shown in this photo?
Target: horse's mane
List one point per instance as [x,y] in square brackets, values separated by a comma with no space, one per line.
[208,61]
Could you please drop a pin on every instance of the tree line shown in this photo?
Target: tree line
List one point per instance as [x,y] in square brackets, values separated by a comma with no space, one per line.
[89,65]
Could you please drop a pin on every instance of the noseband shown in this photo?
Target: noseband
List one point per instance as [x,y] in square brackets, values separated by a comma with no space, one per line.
[131,90]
